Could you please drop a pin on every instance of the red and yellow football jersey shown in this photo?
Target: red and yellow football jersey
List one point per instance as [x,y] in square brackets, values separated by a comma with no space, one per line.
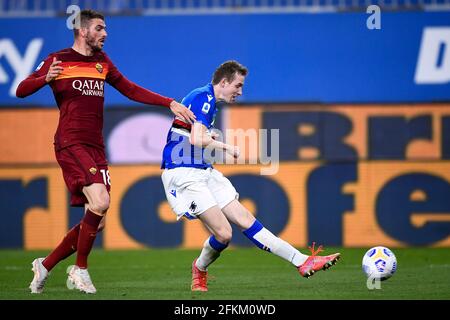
[79,93]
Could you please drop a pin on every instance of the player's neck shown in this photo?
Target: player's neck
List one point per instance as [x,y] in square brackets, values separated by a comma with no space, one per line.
[82,49]
[217,92]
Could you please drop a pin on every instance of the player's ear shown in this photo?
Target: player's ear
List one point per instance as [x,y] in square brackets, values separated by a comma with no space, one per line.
[223,82]
[83,32]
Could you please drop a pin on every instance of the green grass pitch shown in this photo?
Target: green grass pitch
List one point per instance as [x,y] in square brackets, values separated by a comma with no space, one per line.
[240,273]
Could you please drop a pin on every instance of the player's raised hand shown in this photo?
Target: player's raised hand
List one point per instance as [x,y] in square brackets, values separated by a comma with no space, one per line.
[182,112]
[54,70]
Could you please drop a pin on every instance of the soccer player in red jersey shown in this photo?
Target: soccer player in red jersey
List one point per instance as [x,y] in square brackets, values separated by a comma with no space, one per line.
[77,76]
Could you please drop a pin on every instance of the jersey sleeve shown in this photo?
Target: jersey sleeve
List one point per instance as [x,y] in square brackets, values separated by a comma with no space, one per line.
[202,109]
[132,90]
[42,68]
[114,75]
[36,80]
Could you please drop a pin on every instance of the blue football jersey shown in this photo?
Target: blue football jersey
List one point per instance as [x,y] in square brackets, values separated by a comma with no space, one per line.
[178,151]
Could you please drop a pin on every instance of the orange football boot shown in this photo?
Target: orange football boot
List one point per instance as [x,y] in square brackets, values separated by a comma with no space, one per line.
[316,263]
[199,279]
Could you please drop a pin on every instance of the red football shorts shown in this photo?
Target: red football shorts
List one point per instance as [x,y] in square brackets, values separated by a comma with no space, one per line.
[82,165]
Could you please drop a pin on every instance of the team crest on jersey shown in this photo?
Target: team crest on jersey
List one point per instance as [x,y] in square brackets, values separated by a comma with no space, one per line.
[99,67]
[193,206]
[93,170]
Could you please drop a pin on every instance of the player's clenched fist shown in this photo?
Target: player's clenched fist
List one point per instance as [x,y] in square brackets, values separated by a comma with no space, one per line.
[54,70]
[234,151]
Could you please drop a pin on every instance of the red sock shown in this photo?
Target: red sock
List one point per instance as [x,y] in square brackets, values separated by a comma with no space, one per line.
[88,232]
[67,246]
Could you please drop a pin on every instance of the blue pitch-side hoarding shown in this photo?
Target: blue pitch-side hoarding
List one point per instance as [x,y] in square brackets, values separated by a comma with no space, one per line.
[292,57]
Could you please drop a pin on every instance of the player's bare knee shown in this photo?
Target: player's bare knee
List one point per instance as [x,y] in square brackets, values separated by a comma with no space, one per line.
[103,206]
[105,201]
[224,235]
[100,205]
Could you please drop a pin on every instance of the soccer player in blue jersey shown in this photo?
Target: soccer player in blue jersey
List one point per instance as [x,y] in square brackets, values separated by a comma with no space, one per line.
[195,189]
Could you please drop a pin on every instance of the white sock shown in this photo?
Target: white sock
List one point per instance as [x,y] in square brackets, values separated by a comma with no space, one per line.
[210,252]
[266,240]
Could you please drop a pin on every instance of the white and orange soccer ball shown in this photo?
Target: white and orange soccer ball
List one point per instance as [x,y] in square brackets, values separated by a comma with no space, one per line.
[379,263]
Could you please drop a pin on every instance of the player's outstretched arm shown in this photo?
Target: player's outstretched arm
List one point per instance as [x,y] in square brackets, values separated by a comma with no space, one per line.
[200,138]
[142,95]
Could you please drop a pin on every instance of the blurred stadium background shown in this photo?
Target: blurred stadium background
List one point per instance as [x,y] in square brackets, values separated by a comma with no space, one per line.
[29,8]
[364,118]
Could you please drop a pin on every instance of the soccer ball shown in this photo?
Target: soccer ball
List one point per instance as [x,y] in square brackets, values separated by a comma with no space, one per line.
[379,263]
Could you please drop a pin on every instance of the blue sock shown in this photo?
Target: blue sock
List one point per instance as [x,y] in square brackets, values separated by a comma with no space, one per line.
[267,241]
[210,252]
[216,245]
[252,231]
